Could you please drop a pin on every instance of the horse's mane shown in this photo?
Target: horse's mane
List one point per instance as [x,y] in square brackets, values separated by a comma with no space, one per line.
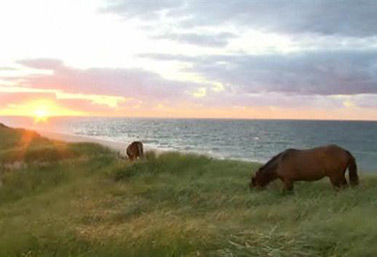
[271,163]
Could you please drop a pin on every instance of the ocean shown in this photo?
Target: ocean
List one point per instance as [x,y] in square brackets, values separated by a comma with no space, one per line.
[248,140]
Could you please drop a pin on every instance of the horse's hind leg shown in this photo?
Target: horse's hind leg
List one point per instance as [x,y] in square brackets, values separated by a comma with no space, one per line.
[343,182]
[338,182]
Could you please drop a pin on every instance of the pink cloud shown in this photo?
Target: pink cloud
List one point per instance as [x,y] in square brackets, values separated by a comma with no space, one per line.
[17,100]
[130,83]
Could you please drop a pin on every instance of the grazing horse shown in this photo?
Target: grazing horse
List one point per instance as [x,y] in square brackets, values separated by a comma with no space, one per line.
[308,165]
[135,150]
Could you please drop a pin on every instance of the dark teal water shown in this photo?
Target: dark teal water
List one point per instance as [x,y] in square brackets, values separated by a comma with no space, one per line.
[252,140]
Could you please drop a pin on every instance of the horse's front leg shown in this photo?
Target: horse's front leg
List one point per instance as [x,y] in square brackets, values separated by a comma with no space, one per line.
[288,184]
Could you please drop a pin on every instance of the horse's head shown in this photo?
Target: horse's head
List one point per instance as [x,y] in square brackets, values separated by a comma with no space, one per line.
[266,173]
[258,180]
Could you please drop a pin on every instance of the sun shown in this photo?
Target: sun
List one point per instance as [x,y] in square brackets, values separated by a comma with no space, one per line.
[41,114]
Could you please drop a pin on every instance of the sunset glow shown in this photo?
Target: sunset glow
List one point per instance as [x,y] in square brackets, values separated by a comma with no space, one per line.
[39,110]
[41,115]
[142,59]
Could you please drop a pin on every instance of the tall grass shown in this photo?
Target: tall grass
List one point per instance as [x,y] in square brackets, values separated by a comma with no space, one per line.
[89,202]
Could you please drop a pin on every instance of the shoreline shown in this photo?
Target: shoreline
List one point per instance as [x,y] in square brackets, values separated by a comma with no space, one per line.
[71,138]
[119,147]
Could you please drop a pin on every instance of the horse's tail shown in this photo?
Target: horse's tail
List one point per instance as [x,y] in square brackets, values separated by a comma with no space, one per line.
[352,170]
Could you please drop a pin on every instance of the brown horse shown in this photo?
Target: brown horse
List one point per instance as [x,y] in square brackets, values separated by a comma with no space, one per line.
[135,150]
[308,165]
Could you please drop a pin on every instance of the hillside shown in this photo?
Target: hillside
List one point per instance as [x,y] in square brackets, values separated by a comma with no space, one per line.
[82,199]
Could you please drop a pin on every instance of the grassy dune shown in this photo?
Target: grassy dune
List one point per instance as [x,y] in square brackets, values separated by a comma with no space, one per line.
[60,199]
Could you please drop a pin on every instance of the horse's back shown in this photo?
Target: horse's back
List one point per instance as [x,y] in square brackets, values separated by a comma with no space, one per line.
[314,163]
[335,157]
[322,153]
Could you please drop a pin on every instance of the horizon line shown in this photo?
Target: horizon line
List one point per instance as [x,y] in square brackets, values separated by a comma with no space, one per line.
[188,118]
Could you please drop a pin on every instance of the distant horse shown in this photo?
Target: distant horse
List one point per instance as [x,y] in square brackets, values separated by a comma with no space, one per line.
[308,165]
[135,150]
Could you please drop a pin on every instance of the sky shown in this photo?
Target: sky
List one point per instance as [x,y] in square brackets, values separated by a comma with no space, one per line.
[189,59]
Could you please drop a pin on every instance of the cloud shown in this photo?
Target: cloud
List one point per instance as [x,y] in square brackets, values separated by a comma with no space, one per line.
[109,100]
[7,68]
[200,92]
[145,9]
[130,83]
[241,96]
[12,98]
[304,73]
[347,18]
[170,57]
[212,40]
[60,102]
[46,64]
[365,101]
[27,103]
